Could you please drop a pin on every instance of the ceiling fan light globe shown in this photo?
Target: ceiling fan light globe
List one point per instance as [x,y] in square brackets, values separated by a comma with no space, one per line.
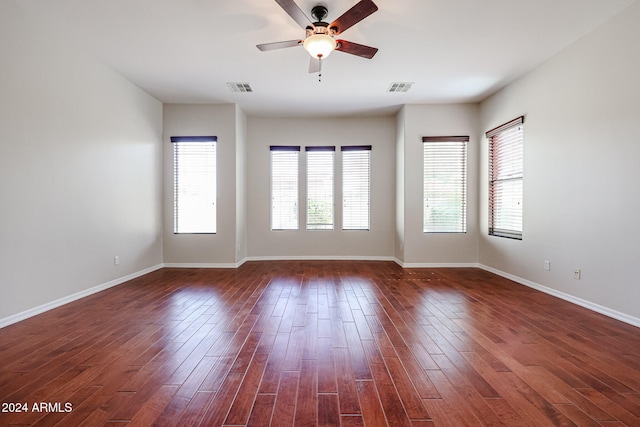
[320,45]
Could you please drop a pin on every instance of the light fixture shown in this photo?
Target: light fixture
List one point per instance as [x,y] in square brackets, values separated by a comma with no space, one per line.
[320,45]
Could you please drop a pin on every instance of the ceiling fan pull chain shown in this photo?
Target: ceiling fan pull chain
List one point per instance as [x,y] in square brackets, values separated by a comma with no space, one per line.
[320,68]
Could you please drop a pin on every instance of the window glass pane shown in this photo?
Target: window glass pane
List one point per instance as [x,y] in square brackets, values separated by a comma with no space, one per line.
[284,190]
[194,187]
[320,190]
[355,189]
[445,187]
[507,198]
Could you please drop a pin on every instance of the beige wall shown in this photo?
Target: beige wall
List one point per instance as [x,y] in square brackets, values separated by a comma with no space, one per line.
[376,131]
[218,249]
[428,249]
[80,170]
[399,177]
[241,185]
[581,170]
[389,137]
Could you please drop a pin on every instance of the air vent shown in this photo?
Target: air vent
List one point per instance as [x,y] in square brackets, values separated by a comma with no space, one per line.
[399,87]
[240,87]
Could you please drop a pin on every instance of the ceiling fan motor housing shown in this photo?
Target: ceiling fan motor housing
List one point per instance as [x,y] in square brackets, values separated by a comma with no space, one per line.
[320,28]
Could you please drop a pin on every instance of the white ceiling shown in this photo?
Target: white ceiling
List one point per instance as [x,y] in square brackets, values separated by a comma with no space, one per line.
[185,51]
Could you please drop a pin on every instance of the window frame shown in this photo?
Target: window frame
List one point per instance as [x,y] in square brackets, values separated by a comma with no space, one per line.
[345,191]
[437,191]
[192,146]
[295,183]
[323,193]
[511,150]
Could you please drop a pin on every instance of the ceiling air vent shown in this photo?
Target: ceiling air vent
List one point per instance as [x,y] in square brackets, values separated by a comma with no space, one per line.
[240,87]
[399,87]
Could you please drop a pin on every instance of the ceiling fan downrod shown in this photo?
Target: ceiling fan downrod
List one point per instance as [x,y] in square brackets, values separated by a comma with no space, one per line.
[319,13]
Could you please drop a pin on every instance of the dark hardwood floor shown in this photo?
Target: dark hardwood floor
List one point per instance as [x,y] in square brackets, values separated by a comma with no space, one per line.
[320,344]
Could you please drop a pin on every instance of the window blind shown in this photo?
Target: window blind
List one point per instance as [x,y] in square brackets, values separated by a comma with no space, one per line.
[506,179]
[284,187]
[445,184]
[194,177]
[356,182]
[320,187]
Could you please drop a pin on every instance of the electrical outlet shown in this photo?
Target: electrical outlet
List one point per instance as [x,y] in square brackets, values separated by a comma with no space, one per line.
[116,260]
[576,274]
[547,265]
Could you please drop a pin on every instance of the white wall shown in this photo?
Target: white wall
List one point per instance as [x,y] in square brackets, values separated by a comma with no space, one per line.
[218,249]
[80,170]
[377,242]
[437,248]
[581,193]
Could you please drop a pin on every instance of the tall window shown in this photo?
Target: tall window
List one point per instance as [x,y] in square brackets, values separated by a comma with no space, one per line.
[194,178]
[445,184]
[320,187]
[356,178]
[284,187]
[505,179]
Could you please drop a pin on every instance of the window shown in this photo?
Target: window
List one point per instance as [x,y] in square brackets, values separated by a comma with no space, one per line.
[284,187]
[445,184]
[194,178]
[320,188]
[505,179]
[356,177]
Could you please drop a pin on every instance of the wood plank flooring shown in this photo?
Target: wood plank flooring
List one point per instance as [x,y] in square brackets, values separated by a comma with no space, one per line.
[320,343]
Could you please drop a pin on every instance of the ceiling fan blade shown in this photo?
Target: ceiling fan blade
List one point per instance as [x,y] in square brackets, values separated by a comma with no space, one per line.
[356,49]
[354,15]
[314,65]
[295,12]
[278,45]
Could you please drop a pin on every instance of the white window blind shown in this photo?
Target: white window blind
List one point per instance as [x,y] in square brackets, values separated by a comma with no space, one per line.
[356,181]
[284,187]
[320,187]
[194,177]
[505,179]
[445,184]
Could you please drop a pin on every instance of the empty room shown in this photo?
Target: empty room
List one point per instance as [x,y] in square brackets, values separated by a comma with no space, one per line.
[210,218]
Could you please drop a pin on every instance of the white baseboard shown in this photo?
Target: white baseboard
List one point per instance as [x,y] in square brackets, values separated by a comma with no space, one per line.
[204,264]
[436,264]
[73,297]
[567,297]
[320,258]
[282,258]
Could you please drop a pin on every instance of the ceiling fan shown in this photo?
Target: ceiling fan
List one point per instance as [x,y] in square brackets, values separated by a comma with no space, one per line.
[320,36]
